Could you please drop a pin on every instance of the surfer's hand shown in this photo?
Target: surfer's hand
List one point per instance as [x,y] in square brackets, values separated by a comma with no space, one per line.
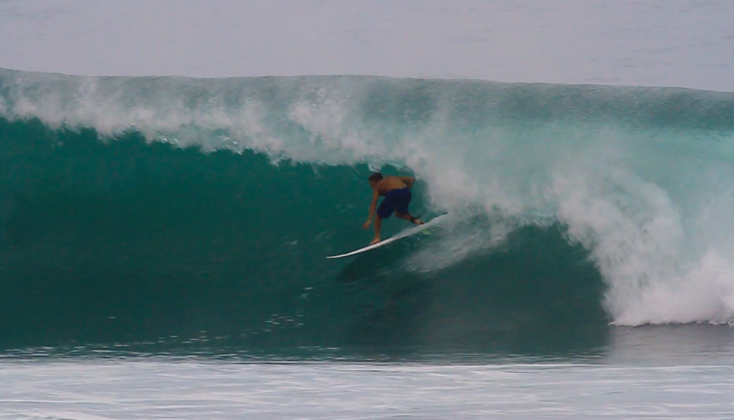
[366,224]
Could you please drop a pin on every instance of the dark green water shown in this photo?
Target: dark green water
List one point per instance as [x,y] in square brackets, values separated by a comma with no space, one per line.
[163,248]
[194,215]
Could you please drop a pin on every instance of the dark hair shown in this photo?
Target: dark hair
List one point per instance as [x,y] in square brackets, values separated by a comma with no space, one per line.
[376,176]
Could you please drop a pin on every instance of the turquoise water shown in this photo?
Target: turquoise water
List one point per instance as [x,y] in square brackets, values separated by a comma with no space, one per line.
[112,239]
[163,240]
[184,218]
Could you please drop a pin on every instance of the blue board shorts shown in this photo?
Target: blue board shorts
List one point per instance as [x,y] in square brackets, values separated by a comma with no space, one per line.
[395,200]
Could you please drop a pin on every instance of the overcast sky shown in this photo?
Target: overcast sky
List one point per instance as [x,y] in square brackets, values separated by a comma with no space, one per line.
[654,42]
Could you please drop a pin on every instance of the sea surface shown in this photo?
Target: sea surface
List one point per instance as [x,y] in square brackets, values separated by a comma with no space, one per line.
[164,228]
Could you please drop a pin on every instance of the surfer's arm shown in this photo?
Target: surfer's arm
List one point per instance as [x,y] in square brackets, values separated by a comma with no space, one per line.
[407,180]
[373,206]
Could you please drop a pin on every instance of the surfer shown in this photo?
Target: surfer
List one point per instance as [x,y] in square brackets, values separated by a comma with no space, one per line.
[396,190]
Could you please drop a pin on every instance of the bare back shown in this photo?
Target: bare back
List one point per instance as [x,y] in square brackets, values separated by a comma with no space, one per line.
[390,183]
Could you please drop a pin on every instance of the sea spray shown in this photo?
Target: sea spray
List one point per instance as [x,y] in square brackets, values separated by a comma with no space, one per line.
[639,178]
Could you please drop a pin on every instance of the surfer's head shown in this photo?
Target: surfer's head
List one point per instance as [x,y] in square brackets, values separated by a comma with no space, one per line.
[374,179]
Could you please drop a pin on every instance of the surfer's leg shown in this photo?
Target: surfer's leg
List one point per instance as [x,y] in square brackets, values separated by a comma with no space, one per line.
[378,226]
[408,217]
[401,208]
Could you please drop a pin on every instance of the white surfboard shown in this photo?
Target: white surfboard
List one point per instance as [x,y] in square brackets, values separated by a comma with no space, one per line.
[401,235]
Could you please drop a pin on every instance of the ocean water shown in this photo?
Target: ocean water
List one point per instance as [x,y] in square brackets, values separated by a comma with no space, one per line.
[163,237]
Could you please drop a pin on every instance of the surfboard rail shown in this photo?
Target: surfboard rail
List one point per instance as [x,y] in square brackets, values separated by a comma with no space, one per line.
[401,235]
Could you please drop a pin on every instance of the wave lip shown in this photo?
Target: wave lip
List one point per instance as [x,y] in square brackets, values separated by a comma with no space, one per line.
[639,177]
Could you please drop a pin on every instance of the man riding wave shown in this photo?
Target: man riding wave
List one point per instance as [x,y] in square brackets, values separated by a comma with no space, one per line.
[396,190]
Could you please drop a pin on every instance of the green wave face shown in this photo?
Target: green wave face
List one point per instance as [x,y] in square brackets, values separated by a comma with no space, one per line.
[170,214]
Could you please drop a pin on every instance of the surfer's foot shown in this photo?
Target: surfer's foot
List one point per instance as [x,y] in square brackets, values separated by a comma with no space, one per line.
[416,221]
[374,241]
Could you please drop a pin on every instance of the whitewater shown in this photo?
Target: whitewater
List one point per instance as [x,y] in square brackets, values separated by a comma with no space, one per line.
[639,177]
[173,175]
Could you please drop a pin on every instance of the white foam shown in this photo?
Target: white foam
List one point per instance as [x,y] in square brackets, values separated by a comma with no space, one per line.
[652,204]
